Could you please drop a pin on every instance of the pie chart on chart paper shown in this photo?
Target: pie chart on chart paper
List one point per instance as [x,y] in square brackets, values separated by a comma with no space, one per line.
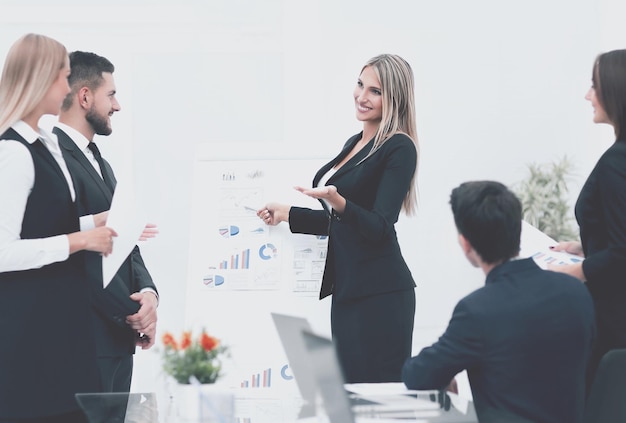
[215,280]
[228,231]
[267,251]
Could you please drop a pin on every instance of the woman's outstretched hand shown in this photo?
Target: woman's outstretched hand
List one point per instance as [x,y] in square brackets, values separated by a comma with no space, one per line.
[320,193]
[328,193]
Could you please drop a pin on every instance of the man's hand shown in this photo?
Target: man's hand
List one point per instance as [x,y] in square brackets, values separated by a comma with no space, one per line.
[145,320]
[453,387]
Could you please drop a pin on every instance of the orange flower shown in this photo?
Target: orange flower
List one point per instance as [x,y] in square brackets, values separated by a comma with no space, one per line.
[169,341]
[185,342]
[199,356]
[208,342]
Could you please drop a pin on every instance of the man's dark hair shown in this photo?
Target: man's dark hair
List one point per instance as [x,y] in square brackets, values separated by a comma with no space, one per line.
[86,70]
[489,216]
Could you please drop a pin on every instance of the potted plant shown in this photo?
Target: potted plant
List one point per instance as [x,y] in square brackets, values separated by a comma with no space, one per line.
[195,363]
[544,197]
[189,357]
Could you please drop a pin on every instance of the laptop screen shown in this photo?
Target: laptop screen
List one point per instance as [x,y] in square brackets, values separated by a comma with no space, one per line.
[290,332]
[329,377]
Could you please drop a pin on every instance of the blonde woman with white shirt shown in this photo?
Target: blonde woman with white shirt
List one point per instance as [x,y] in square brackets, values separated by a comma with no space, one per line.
[47,353]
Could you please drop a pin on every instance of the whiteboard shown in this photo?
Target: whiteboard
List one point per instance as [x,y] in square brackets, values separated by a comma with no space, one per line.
[241,270]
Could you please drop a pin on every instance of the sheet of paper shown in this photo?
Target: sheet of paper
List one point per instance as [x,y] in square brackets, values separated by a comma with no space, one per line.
[462,400]
[390,388]
[536,244]
[359,419]
[124,218]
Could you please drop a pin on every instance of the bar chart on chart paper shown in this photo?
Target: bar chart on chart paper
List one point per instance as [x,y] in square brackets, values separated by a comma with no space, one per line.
[237,261]
[259,380]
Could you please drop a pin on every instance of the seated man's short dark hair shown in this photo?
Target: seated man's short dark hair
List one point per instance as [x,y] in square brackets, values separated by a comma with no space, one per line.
[489,216]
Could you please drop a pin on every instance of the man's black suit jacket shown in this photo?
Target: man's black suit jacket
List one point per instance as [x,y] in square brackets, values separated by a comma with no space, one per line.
[524,339]
[113,336]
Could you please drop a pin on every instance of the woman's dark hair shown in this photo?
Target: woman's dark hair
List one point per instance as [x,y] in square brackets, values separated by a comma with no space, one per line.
[609,81]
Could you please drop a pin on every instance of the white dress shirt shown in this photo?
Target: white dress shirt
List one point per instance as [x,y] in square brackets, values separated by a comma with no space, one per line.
[82,143]
[17,178]
[86,222]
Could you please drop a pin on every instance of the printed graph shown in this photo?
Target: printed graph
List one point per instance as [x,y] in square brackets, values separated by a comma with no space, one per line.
[228,231]
[268,251]
[237,261]
[215,280]
[259,380]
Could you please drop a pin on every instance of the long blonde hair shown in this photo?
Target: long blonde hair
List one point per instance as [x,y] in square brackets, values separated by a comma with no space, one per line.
[30,68]
[398,114]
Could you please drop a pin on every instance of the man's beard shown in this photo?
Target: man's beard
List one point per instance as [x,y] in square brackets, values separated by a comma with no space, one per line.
[99,124]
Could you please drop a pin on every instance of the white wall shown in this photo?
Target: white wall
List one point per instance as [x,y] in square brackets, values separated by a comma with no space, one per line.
[499,84]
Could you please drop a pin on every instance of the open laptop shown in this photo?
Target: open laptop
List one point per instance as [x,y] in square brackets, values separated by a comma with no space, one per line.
[119,407]
[289,330]
[418,406]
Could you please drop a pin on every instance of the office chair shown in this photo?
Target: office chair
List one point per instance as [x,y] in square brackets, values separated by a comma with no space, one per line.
[607,398]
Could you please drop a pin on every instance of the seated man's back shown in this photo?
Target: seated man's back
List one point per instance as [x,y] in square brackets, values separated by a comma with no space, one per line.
[524,339]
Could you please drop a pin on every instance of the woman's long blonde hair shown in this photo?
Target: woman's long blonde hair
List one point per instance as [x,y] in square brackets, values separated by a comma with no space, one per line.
[30,68]
[398,114]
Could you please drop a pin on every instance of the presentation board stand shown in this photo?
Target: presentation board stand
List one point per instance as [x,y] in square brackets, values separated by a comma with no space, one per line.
[241,270]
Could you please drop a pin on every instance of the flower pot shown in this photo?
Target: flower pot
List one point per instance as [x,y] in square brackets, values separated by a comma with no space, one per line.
[203,403]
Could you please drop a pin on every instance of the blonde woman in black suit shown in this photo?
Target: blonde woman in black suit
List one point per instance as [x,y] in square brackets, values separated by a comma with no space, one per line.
[362,192]
[48,350]
[601,212]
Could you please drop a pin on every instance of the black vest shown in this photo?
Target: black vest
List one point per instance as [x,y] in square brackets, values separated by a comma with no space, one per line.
[47,353]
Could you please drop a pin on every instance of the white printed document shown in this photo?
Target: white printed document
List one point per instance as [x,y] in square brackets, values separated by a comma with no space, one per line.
[536,244]
[125,220]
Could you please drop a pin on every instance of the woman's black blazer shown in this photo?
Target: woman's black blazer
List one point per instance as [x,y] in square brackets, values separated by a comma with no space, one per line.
[363,256]
[601,215]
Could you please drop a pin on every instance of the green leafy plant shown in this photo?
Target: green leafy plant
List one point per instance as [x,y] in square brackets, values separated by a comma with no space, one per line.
[544,197]
[199,357]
